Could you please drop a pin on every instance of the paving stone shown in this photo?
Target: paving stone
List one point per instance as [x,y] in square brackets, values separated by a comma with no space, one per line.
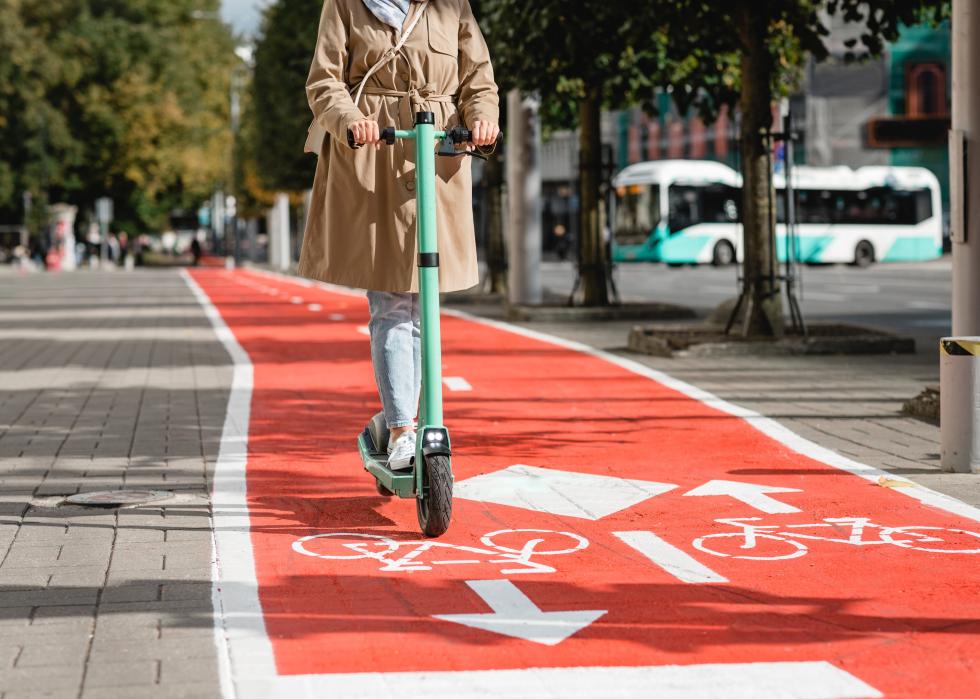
[121,674]
[62,652]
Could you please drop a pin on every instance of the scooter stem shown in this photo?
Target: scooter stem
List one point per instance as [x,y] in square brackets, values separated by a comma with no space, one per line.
[428,261]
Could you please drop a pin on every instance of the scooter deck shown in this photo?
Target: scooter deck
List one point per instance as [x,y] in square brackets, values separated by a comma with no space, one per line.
[401,483]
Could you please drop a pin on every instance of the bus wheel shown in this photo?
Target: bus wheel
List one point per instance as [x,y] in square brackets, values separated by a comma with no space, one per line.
[864,254]
[723,254]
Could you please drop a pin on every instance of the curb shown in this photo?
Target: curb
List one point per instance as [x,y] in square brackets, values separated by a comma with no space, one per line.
[711,341]
[628,311]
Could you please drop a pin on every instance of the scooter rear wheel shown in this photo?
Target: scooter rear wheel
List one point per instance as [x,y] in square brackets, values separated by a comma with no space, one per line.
[435,509]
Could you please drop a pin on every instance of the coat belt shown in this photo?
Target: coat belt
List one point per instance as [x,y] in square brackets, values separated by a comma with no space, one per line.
[413,98]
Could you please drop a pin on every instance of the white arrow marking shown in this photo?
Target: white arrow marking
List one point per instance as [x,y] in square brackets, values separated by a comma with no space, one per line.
[670,558]
[315,307]
[457,383]
[514,614]
[364,330]
[752,494]
[336,316]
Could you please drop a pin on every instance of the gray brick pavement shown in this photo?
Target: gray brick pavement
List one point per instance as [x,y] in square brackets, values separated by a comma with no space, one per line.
[106,381]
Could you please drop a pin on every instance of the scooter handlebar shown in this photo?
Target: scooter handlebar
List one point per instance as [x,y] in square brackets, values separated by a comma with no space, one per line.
[458,134]
[387,135]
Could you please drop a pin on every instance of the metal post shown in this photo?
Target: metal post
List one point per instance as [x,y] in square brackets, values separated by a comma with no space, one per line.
[965,168]
[283,256]
[523,200]
[959,364]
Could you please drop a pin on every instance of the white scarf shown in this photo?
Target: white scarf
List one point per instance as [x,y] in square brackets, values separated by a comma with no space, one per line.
[391,12]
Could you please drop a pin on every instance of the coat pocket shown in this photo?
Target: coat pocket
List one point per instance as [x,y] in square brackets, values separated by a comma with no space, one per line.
[443,36]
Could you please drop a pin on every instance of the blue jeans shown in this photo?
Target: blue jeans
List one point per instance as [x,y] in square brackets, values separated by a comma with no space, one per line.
[396,351]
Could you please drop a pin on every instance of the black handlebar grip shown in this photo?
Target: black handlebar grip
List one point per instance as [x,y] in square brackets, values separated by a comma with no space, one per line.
[350,140]
[461,134]
[388,135]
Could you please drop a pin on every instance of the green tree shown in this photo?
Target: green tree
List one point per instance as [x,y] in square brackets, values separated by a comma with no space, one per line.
[580,56]
[770,38]
[125,98]
[279,111]
[584,55]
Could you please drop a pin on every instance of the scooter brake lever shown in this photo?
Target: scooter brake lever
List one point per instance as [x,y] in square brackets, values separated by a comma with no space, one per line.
[447,149]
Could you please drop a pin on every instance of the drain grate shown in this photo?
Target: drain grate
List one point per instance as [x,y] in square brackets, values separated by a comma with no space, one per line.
[119,498]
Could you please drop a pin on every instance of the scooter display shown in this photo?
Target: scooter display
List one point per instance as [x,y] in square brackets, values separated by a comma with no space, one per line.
[430,481]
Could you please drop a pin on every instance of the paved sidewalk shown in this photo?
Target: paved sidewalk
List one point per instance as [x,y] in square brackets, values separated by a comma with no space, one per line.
[106,381]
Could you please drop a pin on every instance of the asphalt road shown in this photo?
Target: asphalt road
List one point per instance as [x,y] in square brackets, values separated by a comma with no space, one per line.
[912,299]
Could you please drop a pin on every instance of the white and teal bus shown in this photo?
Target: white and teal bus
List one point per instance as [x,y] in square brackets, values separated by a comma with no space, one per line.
[686,212]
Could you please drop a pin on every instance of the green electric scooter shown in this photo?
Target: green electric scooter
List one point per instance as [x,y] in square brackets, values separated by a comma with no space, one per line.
[430,481]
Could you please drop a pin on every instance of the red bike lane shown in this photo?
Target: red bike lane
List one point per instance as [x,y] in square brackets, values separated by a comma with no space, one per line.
[603,519]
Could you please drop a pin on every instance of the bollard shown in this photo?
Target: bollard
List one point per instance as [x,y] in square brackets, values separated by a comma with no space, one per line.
[959,403]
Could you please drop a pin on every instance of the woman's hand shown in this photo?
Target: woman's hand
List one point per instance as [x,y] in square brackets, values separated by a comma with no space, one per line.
[485,133]
[366,131]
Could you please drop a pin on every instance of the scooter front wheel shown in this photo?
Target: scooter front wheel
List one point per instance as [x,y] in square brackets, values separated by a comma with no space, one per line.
[435,504]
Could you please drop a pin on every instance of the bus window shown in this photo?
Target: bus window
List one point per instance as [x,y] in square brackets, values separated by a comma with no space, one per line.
[637,213]
[684,207]
[713,203]
[875,205]
[813,206]
[719,204]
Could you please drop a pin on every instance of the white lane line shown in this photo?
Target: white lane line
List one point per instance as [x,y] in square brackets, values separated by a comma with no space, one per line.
[297,299]
[315,307]
[787,680]
[239,626]
[364,330]
[457,383]
[336,316]
[667,556]
[765,425]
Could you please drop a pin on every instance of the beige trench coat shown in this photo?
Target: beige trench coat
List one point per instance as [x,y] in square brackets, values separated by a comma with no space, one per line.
[360,231]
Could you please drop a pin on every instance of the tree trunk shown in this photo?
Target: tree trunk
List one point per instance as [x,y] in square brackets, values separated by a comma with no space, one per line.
[592,249]
[493,178]
[764,314]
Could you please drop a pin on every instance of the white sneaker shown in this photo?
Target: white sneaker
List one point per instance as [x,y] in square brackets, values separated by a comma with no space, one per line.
[401,454]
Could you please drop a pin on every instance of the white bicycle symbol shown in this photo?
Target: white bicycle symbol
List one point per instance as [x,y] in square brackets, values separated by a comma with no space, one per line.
[759,537]
[510,547]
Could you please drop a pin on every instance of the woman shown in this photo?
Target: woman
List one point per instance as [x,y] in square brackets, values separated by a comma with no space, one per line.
[361,227]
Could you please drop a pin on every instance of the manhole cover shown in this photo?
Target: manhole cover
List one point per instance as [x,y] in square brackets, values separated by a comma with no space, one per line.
[119,498]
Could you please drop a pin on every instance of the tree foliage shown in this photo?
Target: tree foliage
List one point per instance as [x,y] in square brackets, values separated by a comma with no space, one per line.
[120,98]
[621,53]
[279,114]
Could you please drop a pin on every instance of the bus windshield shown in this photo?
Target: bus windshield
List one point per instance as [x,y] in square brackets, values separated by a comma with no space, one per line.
[637,213]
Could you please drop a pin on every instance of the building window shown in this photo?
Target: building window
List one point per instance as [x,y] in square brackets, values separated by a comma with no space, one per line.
[925,90]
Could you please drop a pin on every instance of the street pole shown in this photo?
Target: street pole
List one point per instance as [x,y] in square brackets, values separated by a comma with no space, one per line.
[237,83]
[965,168]
[523,199]
[959,355]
